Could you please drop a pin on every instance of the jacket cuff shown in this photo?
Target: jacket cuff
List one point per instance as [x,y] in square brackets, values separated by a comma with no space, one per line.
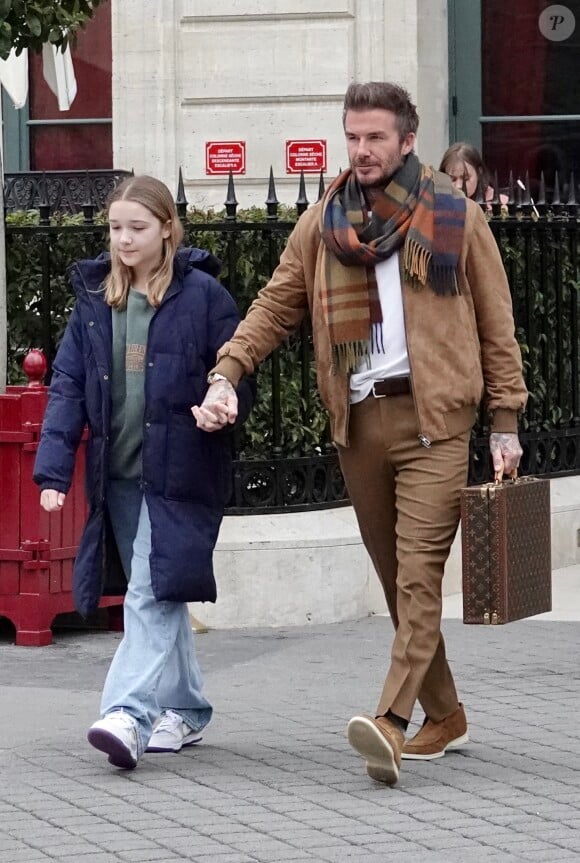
[229,368]
[54,485]
[504,421]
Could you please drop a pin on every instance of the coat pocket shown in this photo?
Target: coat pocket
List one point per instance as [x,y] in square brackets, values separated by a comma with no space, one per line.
[196,464]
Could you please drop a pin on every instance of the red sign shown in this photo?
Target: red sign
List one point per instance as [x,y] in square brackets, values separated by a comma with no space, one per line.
[221,157]
[305,156]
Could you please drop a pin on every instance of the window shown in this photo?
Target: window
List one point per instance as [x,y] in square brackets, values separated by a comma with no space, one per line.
[39,137]
[514,84]
[530,63]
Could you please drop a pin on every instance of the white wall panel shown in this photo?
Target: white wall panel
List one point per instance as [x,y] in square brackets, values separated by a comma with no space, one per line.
[144,87]
[433,80]
[240,60]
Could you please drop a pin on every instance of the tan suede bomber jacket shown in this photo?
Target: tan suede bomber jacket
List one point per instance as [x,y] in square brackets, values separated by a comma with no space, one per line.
[462,348]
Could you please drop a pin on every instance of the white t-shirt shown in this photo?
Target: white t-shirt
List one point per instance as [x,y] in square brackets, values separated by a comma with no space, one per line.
[395,360]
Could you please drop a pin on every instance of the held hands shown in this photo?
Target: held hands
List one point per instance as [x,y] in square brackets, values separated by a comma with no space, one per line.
[219,407]
[52,500]
[506,453]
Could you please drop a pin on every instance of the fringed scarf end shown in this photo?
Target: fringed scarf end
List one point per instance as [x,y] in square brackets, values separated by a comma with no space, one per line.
[346,357]
[444,282]
[420,270]
[416,261]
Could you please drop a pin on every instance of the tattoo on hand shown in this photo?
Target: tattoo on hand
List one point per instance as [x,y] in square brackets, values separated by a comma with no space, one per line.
[506,452]
[505,443]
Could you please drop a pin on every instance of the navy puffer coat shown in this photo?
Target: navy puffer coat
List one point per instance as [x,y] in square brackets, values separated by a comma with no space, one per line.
[186,474]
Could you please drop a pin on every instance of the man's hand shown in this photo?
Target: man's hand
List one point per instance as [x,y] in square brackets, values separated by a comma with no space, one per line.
[52,500]
[219,407]
[506,453]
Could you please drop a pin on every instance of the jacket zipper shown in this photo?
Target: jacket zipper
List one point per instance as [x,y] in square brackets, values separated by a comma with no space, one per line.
[423,439]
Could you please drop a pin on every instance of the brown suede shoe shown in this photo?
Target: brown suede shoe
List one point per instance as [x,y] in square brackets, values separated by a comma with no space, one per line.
[381,743]
[436,738]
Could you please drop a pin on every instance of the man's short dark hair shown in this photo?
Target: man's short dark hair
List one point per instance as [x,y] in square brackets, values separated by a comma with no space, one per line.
[389,97]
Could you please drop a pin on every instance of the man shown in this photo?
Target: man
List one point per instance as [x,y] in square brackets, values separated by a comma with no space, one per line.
[412,326]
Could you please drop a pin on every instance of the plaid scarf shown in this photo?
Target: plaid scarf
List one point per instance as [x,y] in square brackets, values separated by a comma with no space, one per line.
[419,210]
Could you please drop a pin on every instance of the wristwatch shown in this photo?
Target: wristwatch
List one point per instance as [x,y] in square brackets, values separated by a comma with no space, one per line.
[213,377]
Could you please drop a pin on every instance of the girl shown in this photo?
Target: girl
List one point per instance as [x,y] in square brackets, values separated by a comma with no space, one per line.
[468,172]
[143,334]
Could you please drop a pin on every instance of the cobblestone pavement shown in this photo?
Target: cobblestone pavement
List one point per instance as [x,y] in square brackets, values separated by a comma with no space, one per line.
[274,779]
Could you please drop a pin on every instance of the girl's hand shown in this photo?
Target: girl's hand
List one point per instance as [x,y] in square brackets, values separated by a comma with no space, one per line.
[52,500]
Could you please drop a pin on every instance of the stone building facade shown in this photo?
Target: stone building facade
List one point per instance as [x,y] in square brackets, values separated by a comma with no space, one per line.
[262,72]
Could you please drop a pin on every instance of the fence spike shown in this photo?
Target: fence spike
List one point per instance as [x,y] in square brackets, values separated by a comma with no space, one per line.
[272,200]
[556,201]
[180,199]
[302,202]
[321,188]
[572,191]
[231,201]
[511,194]
[541,202]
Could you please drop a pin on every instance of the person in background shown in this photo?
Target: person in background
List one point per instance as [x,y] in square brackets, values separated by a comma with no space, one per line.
[143,333]
[468,172]
[412,326]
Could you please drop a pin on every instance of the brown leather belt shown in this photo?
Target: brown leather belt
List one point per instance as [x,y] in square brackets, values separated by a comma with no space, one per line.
[397,386]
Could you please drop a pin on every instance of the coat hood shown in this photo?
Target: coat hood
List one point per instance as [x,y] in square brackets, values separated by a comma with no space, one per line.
[94,270]
[191,258]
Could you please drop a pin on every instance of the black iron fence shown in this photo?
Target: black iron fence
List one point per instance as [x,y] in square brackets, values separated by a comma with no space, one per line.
[62,191]
[285,458]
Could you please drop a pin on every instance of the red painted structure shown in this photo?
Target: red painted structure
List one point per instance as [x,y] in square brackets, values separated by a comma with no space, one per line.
[37,549]
[221,157]
[306,155]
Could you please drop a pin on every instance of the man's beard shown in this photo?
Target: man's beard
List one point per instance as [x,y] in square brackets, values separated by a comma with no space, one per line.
[384,179]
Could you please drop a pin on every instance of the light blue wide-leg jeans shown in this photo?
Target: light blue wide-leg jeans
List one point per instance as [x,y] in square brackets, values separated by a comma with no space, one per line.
[155,666]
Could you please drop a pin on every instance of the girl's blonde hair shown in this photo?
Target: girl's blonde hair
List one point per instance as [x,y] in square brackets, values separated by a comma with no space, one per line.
[156,197]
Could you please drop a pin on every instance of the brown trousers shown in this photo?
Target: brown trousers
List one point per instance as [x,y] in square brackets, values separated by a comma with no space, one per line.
[406,499]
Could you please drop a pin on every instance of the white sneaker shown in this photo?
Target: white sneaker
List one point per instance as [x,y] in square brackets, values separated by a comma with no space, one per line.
[116,735]
[171,734]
